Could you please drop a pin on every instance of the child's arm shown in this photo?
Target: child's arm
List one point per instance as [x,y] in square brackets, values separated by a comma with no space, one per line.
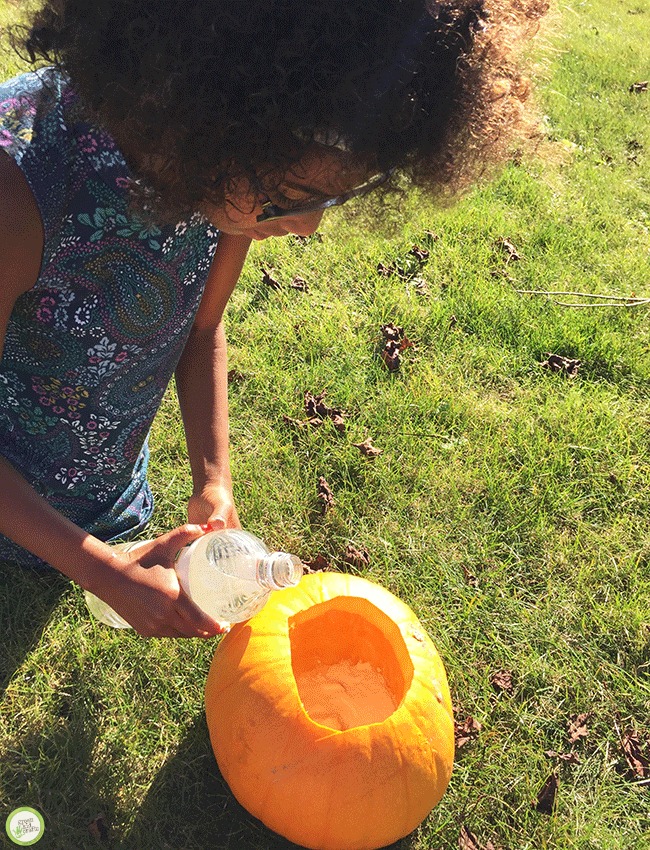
[142,587]
[202,383]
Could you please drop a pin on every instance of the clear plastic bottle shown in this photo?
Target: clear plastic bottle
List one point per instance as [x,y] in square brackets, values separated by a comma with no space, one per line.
[229,574]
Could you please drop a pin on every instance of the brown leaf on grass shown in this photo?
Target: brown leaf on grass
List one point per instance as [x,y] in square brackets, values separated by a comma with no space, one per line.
[300,284]
[98,828]
[317,565]
[367,449]
[315,406]
[235,377]
[569,758]
[468,841]
[577,727]
[390,356]
[545,802]
[501,680]
[338,422]
[390,269]
[269,280]
[638,88]
[356,557]
[564,365]
[635,754]
[392,332]
[394,343]
[508,248]
[420,254]
[466,731]
[325,495]
[313,422]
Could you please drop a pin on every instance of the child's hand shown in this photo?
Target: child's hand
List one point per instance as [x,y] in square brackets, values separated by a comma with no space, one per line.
[145,590]
[213,506]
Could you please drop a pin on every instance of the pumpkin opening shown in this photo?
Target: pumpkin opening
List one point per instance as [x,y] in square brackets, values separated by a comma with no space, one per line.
[350,662]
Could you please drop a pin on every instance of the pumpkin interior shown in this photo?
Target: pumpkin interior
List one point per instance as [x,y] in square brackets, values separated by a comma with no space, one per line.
[350,662]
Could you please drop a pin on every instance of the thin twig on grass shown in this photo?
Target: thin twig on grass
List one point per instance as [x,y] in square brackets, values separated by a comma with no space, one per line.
[605,300]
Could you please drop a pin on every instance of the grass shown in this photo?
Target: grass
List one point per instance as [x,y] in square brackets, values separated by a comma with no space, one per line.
[509,507]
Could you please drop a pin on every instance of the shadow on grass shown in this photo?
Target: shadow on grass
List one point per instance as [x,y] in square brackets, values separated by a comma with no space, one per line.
[27,599]
[189,807]
[50,736]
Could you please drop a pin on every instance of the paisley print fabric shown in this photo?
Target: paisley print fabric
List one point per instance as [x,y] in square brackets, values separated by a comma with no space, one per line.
[92,346]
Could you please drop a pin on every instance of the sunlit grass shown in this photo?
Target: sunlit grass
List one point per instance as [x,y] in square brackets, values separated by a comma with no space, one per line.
[509,506]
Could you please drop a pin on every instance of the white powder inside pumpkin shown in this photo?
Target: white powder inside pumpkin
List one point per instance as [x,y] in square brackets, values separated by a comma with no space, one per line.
[344,695]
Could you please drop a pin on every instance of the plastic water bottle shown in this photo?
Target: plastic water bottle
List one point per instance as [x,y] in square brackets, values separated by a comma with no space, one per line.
[229,574]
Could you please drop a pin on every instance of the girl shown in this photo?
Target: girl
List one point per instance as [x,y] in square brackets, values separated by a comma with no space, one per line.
[136,166]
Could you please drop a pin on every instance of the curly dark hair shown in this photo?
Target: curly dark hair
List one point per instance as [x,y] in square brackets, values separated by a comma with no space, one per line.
[204,93]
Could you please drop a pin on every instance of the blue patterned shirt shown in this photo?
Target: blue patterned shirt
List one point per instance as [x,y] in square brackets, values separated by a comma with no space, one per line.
[91,348]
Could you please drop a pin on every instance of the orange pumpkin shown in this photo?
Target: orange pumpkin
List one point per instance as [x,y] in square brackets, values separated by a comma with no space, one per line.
[330,716]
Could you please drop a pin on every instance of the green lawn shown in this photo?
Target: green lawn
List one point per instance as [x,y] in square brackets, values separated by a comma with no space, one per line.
[509,507]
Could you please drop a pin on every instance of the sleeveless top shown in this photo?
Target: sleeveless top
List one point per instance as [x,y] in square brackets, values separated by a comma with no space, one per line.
[91,348]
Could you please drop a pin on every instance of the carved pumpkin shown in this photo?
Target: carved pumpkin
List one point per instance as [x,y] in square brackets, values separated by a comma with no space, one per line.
[330,716]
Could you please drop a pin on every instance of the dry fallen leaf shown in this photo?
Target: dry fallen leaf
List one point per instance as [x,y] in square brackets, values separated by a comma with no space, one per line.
[507,246]
[317,564]
[315,406]
[635,754]
[325,495]
[269,280]
[546,798]
[564,365]
[390,356]
[367,449]
[501,680]
[394,343]
[569,758]
[312,422]
[300,284]
[98,828]
[420,254]
[577,727]
[392,332]
[466,731]
[468,841]
[338,422]
[356,557]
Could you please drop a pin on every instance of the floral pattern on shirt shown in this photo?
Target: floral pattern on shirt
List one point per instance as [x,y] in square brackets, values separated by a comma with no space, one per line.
[90,349]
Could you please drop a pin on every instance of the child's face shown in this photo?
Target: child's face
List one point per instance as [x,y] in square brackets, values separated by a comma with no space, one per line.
[317,177]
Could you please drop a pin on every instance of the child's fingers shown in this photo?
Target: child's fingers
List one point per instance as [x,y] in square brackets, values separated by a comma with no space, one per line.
[216,523]
[193,619]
